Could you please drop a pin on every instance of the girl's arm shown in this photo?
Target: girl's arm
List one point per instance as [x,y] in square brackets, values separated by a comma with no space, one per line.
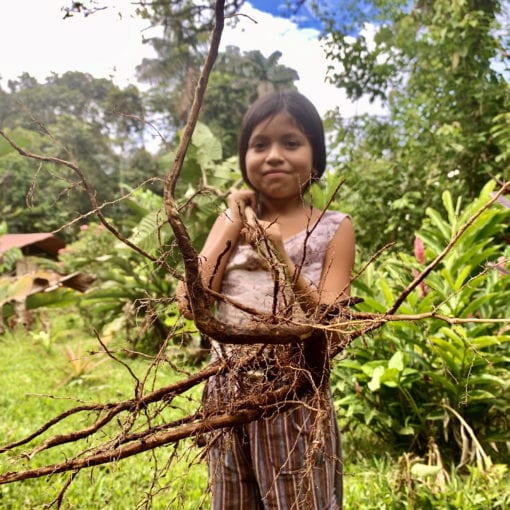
[335,284]
[218,247]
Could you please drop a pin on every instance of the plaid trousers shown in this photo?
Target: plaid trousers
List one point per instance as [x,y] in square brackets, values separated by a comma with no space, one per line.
[288,461]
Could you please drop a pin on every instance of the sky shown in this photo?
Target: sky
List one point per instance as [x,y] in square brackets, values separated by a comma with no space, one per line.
[36,39]
[278,8]
[345,14]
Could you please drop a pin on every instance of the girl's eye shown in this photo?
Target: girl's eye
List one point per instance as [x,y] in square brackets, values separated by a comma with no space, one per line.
[292,144]
[258,145]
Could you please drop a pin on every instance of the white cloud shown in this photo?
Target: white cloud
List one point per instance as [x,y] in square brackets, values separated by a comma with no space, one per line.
[34,38]
[301,50]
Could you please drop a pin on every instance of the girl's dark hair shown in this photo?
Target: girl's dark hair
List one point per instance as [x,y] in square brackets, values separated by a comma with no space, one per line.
[298,107]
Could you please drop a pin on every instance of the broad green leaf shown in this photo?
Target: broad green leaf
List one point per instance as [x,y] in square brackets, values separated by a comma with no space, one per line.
[461,278]
[109,293]
[448,205]
[350,363]
[375,382]
[481,395]
[390,377]
[371,305]
[438,222]
[370,366]
[433,246]
[397,361]
[387,291]
[485,379]
[208,146]
[448,351]
[58,298]
[481,342]
[147,234]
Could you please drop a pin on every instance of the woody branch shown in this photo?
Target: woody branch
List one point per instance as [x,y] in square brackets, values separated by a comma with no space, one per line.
[349,323]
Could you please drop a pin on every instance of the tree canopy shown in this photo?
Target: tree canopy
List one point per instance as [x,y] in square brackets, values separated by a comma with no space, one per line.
[74,116]
[429,167]
[441,69]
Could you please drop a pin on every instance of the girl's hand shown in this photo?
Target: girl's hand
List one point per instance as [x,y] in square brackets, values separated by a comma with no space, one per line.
[259,232]
[273,233]
[238,200]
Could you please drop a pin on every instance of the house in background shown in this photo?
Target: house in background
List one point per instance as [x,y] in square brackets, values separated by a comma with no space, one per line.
[28,279]
[38,245]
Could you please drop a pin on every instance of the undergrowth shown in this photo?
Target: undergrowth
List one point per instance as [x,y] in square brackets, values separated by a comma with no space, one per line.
[38,383]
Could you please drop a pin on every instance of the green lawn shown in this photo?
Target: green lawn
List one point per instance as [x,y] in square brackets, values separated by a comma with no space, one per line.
[33,377]
[39,381]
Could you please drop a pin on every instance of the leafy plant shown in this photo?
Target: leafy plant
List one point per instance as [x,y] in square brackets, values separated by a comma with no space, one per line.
[126,289]
[425,385]
[133,297]
[440,71]
[9,258]
[79,364]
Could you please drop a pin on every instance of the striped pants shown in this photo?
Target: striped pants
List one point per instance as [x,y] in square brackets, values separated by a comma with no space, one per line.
[289,461]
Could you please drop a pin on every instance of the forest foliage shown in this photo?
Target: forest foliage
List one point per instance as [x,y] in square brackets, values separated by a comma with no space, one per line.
[412,177]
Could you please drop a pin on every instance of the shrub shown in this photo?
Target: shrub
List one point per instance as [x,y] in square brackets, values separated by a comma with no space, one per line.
[427,385]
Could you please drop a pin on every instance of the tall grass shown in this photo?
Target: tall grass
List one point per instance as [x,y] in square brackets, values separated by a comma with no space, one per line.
[33,370]
[33,391]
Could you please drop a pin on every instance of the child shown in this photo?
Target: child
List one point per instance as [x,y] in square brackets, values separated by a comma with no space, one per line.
[291,261]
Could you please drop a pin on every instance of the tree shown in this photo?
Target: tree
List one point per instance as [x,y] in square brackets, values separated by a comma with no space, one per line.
[181,46]
[236,81]
[439,67]
[28,192]
[72,116]
[180,51]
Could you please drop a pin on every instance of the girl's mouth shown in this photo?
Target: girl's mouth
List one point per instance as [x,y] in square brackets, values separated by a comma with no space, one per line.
[275,173]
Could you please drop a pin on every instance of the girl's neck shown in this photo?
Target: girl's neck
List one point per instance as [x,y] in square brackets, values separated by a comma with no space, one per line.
[273,209]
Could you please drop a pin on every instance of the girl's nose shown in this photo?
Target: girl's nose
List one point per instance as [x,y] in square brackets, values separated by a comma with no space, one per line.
[274,155]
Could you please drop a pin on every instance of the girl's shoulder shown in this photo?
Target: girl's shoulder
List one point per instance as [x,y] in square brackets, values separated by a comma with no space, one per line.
[330,219]
[320,229]
[333,215]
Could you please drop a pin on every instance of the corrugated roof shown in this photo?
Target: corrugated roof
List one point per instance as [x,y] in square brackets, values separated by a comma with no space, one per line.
[46,242]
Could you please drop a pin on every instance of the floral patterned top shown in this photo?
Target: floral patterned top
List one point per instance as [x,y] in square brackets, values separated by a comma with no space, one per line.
[249,281]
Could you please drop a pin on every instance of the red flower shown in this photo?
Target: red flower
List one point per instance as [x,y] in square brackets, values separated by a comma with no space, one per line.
[419,253]
[419,250]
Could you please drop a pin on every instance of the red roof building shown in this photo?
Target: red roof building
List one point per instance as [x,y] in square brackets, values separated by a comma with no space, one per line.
[32,244]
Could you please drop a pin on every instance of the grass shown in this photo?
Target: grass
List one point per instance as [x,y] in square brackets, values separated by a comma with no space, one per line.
[39,381]
[41,378]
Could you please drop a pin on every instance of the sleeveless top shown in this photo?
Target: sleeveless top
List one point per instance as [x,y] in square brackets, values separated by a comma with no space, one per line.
[248,280]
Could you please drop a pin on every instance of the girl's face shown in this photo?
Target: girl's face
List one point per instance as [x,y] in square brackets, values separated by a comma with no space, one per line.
[279,158]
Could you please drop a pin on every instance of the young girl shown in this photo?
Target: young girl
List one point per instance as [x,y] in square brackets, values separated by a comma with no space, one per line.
[277,255]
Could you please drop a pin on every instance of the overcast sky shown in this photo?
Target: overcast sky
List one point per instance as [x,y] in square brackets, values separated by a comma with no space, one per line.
[35,38]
